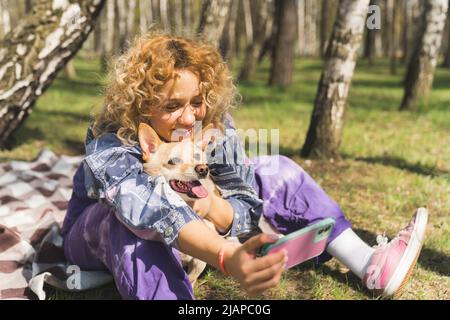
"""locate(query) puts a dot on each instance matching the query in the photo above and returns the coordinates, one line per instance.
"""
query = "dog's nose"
(202, 170)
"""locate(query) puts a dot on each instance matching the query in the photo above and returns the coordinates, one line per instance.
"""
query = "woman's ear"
(148, 140)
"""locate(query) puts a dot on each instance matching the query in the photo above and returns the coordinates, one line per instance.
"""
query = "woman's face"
(181, 106)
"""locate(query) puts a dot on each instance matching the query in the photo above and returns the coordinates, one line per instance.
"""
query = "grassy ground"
(392, 163)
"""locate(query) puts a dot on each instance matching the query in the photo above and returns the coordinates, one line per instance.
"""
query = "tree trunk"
(405, 27)
(420, 74)
(177, 7)
(187, 18)
(33, 53)
(370, 45)
(301, 27)
(312, 46)
(284, 52)
(108, 38)
(28, 6)
(98, 34)
(446, 63)
(145, 15)
(5, 18)
(227, 46)
(120, 25)
(325, 14)
(327, 121)
(131, 14)
(213, 18)
(163, 13)
(262, 29)
(248, 21)
(394, 35)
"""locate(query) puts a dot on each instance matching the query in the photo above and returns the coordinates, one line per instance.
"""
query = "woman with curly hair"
(120, 218)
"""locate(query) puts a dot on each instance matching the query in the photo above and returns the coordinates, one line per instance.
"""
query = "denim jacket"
(112, 173)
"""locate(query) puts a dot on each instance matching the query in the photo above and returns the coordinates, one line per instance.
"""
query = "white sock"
(352, 251)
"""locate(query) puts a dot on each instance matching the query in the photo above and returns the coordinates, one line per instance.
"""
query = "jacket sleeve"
(233, 174)
(145, 204)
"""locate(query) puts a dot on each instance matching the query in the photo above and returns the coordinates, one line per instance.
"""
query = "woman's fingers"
(254, 243)
(271, 282)
(266, 274)
(268, 261)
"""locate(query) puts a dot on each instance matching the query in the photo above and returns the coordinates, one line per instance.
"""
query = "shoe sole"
(407, 263)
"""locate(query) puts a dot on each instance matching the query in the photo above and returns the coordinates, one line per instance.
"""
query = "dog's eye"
(197, 156)
(174, 161)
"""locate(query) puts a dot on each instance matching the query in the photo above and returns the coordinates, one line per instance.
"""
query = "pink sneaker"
(392, 263)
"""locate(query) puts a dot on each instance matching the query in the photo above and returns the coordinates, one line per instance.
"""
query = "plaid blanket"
(33, 201)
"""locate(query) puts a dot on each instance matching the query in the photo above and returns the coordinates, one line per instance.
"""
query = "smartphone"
(302, 244)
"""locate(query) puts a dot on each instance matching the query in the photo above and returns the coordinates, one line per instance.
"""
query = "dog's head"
(183, 164)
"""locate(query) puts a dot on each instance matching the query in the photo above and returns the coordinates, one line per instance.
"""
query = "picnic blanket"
(33, 201)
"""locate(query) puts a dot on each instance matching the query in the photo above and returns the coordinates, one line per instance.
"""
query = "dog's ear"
(210, 134)
(148, 140)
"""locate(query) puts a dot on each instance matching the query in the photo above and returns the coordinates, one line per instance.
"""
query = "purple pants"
(144, 269)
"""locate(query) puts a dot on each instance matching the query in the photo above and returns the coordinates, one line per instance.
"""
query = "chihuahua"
(183, 165)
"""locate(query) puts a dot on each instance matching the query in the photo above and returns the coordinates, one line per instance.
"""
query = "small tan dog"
(183, 166)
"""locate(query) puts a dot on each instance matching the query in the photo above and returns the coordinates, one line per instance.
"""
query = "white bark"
(110, 19)
(177, 7)
(131, 14)
(121, 22)
(29, 61)
(145, 15)
(5, 18)
(420, 75)
(212, 22)
(163, 15)
(327, 120)
(187, 18)
(248, 21)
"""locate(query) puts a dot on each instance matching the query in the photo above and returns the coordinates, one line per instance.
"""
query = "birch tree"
(446, 63)
(263, 23)
(284, 51)
(187, 18)
(145, 15)
(213, 18)
(34, 51)
(5, 18)
(227, 44)
(420, 73)
(327, 121)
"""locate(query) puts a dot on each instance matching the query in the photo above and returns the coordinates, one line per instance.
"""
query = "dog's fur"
(183, 161)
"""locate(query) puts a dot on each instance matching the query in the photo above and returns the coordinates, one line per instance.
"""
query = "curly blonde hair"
(134, 84)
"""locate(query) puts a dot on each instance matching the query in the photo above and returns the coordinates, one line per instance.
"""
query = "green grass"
(392, 163)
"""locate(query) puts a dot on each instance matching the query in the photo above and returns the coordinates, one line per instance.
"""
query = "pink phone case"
(303, 244)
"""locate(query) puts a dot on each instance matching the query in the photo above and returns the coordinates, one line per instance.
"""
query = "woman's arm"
(145, 204)
(254, 274)
(215, 209)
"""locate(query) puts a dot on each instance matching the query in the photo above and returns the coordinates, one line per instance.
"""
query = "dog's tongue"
(193, 189)
(199, 190)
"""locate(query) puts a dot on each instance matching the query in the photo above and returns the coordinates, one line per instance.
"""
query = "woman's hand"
(255, 274)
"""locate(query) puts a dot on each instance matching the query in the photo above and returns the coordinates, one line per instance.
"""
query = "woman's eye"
(175, 161)
(197, 104)
(172, 107)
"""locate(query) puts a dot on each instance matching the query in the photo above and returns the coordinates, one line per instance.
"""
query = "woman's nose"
(187, 118)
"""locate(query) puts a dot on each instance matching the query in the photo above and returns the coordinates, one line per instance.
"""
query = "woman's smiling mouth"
(182, 133)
